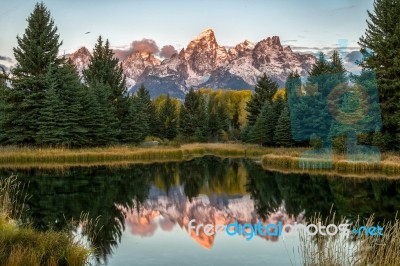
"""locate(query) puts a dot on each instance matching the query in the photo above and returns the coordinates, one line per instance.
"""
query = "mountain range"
(205, 63)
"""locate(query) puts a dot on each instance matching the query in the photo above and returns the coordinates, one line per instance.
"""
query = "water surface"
(143, 210)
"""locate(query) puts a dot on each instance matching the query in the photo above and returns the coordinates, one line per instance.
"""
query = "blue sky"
(308, 23)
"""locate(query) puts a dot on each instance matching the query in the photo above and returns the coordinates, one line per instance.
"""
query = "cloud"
(344, 8)
(167, 51)
(5, 58)
(290, 41)
(144, 45)
(122, 54)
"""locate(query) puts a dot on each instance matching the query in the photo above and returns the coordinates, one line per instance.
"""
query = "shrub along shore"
(275, 159)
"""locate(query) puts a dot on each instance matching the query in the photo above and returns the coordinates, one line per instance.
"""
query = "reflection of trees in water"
(317, 194)
(57, 198)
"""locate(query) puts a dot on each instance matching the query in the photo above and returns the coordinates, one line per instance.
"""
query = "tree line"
(45, 102)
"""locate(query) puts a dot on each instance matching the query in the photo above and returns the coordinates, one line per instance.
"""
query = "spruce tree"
(105, 69)
(69, 92)
(264, 90)
(37, 51)
(214, 125)
(99, 119)
(223, 119)
(380, 46)
(193, 118)
(52, 117)
(152, 124)
(259, 132)
(140, 122)
(278, 106)
(3, 95)
(92, 117)
(168, 119)
(235, 118)
(299, 110)
(283, 135)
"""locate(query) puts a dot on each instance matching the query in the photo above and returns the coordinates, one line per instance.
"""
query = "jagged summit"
(206, 33)
(80, 58)
(205, 63)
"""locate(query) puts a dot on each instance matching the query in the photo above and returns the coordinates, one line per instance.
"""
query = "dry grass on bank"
(388, 166)
(354, 250)
(277, 159)
(12, 155)
(22, 245)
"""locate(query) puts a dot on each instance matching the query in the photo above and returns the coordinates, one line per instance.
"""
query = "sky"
(306, 25)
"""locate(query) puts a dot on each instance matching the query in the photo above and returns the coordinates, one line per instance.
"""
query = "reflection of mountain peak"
(175, 208)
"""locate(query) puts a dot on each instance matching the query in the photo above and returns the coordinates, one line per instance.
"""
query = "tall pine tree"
(37, 51)
(260, 131)
(168, 118)
(105, 69)
(380, 46)
(193, 119)
(264, 90)
(63, 98)
(283, 135)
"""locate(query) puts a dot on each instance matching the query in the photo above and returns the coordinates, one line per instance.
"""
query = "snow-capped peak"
(205, 63)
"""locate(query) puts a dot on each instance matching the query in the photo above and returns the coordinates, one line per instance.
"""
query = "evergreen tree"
(337, 64)
(278, 106)
(51, 119)
(235, 118)
(283, 135)
(223, 119)
(3, 95)
(299, 109)
(380, 46)
(264, 90)
(100, 120)
(65, 93)
(105, 69)
(135, 128)
(168, 119)
(152, 124)
(193, 120)
(321, 66)
(312, 107)
(37, 51)
(260, 131)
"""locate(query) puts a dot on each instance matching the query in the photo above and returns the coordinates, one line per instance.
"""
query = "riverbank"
(14, 157)
(287, 160)
(20, 244)
(388, 167)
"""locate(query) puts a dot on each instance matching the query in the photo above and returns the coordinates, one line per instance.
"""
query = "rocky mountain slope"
(205, 63)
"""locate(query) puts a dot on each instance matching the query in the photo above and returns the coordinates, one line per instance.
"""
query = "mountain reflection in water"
(164, 196)
(166, 210)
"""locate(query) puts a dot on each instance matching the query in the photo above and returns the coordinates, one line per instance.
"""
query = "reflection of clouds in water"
(166, 211)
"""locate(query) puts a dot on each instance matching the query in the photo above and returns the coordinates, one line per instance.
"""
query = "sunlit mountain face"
(206, 63)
